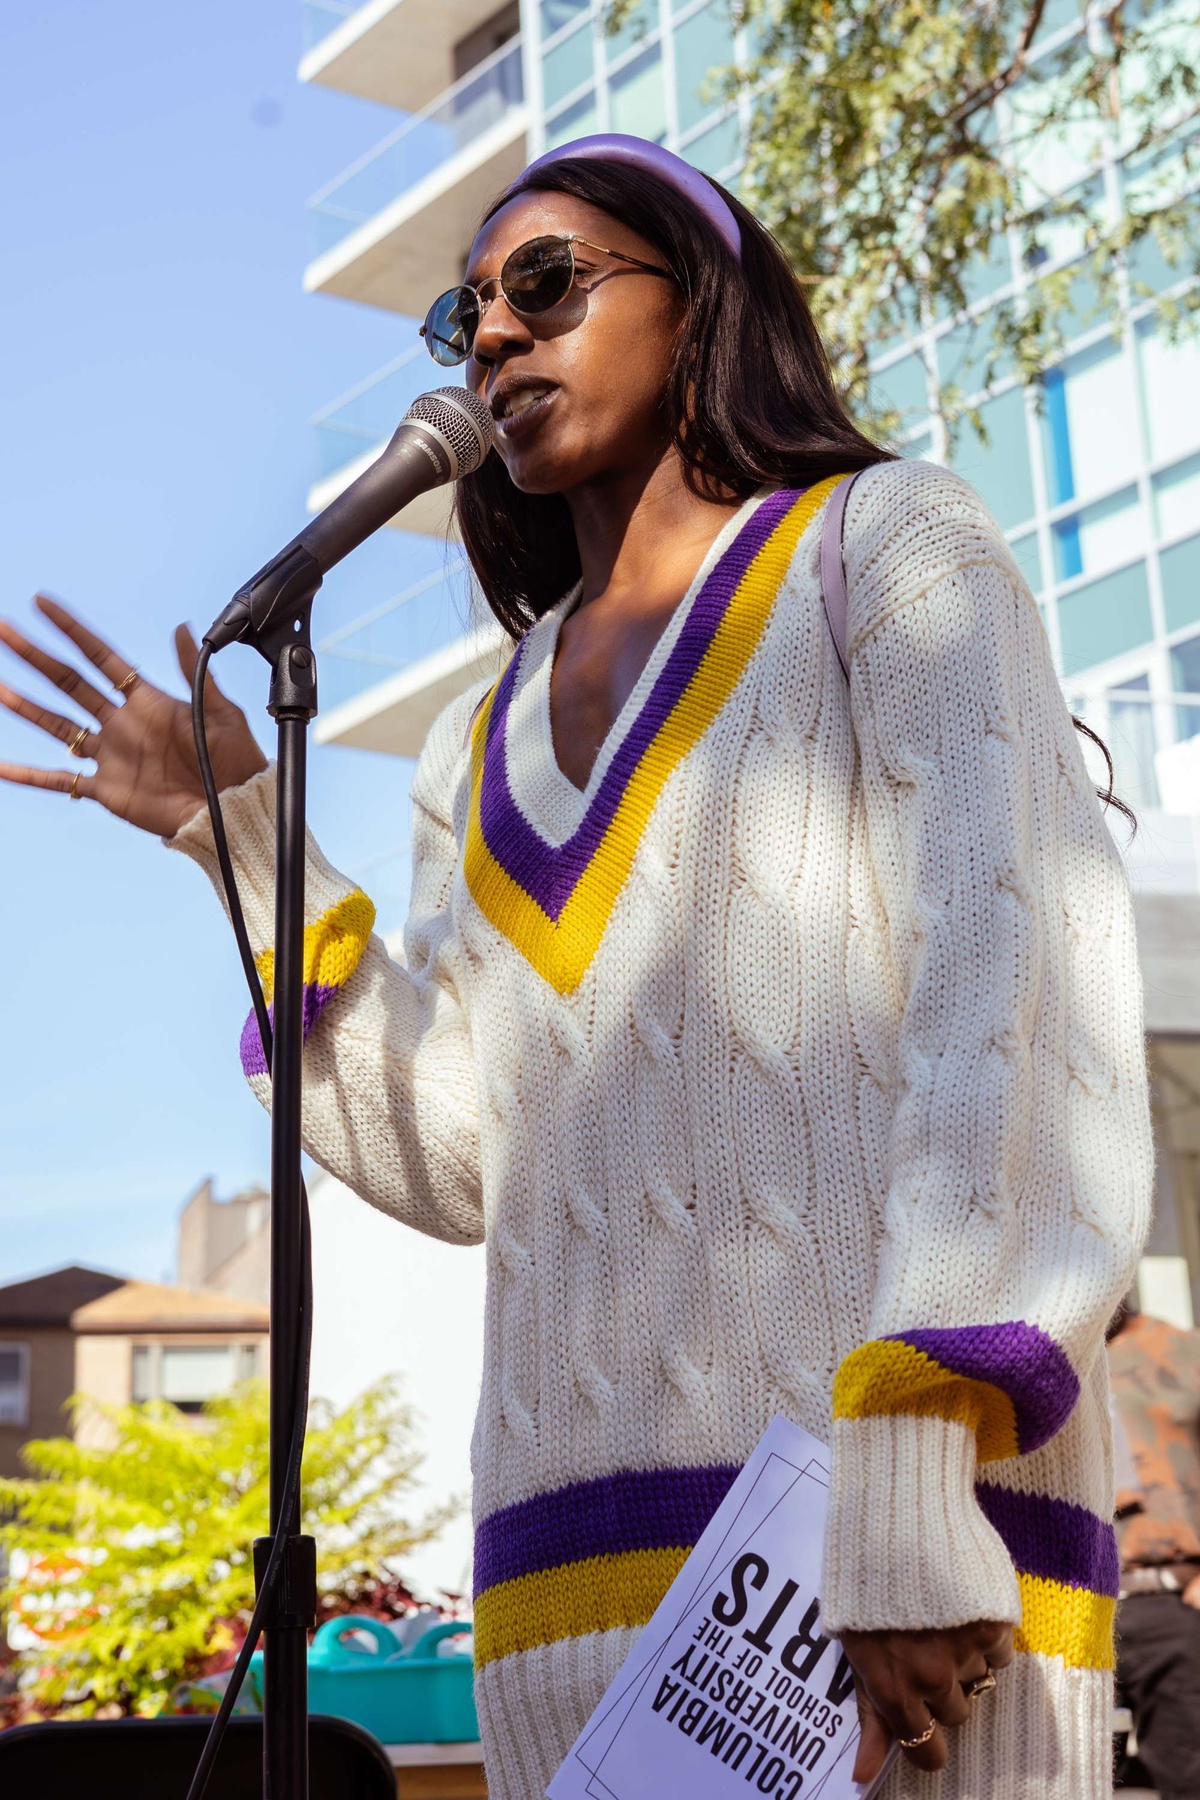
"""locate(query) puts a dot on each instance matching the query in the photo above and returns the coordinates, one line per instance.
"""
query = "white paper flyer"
(731, 1689)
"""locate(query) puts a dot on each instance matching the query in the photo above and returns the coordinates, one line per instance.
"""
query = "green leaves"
(896, 145)
(133, 1564)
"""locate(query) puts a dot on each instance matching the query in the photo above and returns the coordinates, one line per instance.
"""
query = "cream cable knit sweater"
(796, 1066)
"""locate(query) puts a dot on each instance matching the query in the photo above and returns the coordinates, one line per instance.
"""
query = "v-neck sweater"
(794, 1066)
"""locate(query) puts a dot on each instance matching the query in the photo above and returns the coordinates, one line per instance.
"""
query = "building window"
(998, 463)
(636, 97)
(1132, 743)
(1105, 618)
(189, 1374)
(1082, 460)
(1185, 679)
(703, 47)
(14, 1384)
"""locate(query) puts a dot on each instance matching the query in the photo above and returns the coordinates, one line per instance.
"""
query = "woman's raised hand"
(139, 737)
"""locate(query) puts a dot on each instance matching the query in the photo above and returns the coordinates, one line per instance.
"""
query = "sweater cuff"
(249, 815)
(907, 1547)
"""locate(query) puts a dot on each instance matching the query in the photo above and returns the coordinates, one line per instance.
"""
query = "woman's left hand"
(910, 1681)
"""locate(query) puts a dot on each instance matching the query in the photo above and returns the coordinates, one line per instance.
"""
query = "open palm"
(141, 742)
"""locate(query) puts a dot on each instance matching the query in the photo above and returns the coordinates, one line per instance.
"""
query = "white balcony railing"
(365, 416)
(400, 631)
(424, 142)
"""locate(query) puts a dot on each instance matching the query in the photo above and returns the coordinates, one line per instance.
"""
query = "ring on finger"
(76, 745)
(124, 685)
(914, 1743)
(983, 1684)
(73, 792)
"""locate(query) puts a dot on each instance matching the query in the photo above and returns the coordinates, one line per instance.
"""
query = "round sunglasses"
(534, 277)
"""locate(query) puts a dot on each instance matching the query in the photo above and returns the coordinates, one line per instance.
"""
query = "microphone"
(444, 435)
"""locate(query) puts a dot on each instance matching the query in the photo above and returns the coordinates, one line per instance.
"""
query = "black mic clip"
(268, 603)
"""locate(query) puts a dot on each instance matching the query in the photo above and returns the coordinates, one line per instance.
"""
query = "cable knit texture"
(794, 1066)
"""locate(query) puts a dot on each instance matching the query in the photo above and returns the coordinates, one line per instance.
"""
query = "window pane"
(1185, 679)
(143, 1373)
(578, 121)
(636, 98)
(195, 1373)
(1089, 423)
(567, 66)
(716, 149)
(1177, 498)
(964, 354)
(903, 385)
(557, 13)
(1105, 618)
(1029, 556)
(14, 1384)
(1132, 743)
(1000, 468)
(1099, 536)
(1180, 566)
(1171, 384)
(637, 27)
(703, 43)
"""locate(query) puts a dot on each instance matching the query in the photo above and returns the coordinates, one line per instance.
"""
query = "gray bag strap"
(833, 569)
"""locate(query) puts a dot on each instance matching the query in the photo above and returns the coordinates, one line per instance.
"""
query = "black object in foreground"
(153, 1759)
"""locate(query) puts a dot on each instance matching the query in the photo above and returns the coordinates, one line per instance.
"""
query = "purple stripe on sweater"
(638, 1509)
(1019, 1359)
(1054, 1539)
(316, 999)
(549, 873)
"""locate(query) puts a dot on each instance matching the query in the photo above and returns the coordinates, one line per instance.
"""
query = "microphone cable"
(291, 1485)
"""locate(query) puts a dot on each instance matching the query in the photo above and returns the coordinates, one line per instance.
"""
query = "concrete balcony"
(393, 230)
(397, 52)
(394, 715)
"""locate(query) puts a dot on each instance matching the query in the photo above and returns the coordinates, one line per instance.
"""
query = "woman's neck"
(642, 534)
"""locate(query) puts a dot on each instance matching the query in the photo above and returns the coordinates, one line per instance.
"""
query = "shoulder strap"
(833, 568)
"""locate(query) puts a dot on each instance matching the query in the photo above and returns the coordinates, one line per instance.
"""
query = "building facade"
(1096, 481)
(110, 1341)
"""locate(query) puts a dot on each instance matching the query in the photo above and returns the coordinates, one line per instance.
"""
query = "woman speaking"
(776, 1028)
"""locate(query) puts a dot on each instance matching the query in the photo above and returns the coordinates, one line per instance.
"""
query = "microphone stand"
(272, 613)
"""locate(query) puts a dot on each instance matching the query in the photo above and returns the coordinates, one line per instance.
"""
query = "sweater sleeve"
(389, 1086)
(1018, 1160)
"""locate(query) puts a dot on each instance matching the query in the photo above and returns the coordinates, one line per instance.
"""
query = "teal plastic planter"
(400, 1696)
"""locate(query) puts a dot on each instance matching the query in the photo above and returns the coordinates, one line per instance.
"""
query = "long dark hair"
(750, 398)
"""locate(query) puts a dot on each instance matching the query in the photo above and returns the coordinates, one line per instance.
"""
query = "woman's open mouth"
(517, 409)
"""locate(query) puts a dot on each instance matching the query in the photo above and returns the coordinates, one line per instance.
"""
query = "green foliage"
(895, 143)
(140, 1555)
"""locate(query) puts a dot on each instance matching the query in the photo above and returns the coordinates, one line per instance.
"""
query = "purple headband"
(615, 146)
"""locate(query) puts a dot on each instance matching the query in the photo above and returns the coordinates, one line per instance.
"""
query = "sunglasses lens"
(538, 275)
(450, 326)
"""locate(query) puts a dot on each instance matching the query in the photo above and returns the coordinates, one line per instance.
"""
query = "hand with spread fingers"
(139, 737)
(914, 1686)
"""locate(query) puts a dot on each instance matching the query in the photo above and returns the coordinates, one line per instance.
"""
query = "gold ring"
(915, 1743)
(982, 1684)
(123, 687)
(77, 742)
(73, 791)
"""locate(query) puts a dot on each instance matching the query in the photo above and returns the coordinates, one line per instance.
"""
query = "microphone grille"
(462, 420)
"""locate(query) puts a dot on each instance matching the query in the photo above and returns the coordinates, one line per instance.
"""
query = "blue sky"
(159, 367)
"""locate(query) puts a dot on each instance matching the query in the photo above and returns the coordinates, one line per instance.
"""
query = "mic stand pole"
(286, 644)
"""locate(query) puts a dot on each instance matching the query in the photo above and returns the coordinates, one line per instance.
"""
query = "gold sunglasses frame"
(570, 239)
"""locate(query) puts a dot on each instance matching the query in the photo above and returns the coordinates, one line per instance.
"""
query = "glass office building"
(1095, 478)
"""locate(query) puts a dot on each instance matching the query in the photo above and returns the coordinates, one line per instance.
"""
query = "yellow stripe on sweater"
(333, 946)
(561, 950)
(887, 1376)
(1071, 1622)
(598, 1594)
